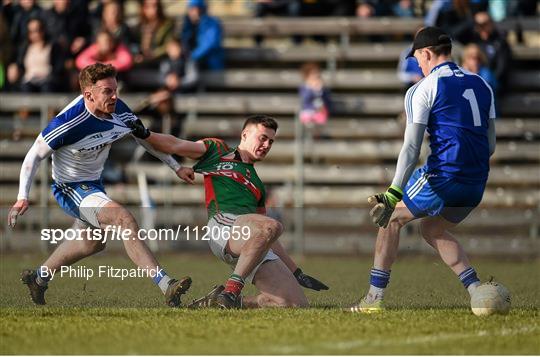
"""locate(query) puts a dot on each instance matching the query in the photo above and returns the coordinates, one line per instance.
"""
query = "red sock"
(234, 284)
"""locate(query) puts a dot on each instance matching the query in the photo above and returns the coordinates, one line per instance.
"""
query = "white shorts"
(222, 222)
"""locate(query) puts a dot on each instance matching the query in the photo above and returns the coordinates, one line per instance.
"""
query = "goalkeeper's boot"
(226, 300)
(37, 292)
(175, 290)
(367, 307)
(209, 300)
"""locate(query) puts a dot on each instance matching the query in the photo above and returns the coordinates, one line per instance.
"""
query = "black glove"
(308, 282)
(138, 129)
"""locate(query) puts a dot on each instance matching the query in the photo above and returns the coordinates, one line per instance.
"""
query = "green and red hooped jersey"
(231, 186)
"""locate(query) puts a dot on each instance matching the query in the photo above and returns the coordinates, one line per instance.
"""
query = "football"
(490, 298)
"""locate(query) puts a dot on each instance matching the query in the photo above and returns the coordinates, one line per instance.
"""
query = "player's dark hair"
(265, 120)
(95, 72)
(441, 50)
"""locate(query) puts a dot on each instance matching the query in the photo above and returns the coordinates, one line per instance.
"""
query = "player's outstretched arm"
(39, 151)
(167, 144)
(173, 145)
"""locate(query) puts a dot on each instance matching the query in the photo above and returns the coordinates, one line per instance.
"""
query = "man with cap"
(202, 36)
(457, 109)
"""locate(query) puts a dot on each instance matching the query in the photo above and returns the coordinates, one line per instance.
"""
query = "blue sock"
(468, 277)
(379, 278)
(160, 275)
(43, 275)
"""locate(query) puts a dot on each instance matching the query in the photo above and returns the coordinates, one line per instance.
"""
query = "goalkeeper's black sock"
(234, 284)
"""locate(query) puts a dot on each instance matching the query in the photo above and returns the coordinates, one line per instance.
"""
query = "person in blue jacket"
(202, 35)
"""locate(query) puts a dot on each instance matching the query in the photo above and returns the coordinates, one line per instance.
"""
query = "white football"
(490, 298)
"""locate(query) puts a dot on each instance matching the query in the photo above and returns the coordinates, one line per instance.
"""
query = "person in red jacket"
(106, 50)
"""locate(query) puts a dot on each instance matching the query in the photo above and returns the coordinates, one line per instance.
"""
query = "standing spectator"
(315, 102)
(179, 74)
(475, 61)
(106, 50)
(494, 45)
(112, 20)
(152, 33)
(202, 36)
(40, 63)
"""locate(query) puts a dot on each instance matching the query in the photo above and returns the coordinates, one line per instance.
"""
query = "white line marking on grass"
(396, 342)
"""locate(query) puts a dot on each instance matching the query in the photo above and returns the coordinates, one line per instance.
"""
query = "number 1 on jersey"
(469, 95)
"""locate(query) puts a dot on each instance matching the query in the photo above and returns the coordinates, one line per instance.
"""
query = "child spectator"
(106, 50)
(475, 61)
(178, 73)
(315, 99)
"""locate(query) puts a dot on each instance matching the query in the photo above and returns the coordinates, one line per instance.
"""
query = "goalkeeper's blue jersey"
(456, 106)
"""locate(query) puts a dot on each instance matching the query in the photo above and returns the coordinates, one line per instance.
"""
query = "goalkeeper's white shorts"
(219, 231)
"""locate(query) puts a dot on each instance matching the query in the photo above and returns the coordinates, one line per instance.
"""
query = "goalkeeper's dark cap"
(429, 37)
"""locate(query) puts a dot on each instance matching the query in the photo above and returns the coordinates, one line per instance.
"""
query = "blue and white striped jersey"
(81, 141)
(456, 107)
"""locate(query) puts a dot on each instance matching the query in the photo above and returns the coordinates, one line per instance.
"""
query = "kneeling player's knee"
(291, 301)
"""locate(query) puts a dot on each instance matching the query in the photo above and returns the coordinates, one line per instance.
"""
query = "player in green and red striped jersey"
(240, 232)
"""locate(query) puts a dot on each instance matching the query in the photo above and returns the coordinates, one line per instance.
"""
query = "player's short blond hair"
(95, 72)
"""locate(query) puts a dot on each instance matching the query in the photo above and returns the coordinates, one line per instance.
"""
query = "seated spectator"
(409, 72)
(455, 17)
(40, 63)
(106, 50)
(403, 8)
(178, 73)
(202, 37)
(475, 61)
(67, 27)
(494, 45)
(315, 102)
(112, 20)
(152, 33)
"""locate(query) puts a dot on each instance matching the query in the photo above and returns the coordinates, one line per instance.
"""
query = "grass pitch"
(428, 314)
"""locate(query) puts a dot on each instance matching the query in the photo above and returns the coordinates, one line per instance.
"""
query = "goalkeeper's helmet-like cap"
(430, 37)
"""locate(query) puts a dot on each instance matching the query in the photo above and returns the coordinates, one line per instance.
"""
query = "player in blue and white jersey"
(457, 109)
(79, 140)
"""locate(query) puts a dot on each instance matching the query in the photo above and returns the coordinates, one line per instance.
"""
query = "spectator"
(264, 8)
(494, 45)
(66, 27)
(40, 63)
(409, 72)
(22, 13)
(403, 8)
(106, 50)
(112, 20)
(5, 49)
(178, 73)
(152, 33)
(455, 17)
(475, 61)
(315, 102)
(202, 36)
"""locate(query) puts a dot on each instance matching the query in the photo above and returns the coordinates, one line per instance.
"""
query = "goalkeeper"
(456, 107)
